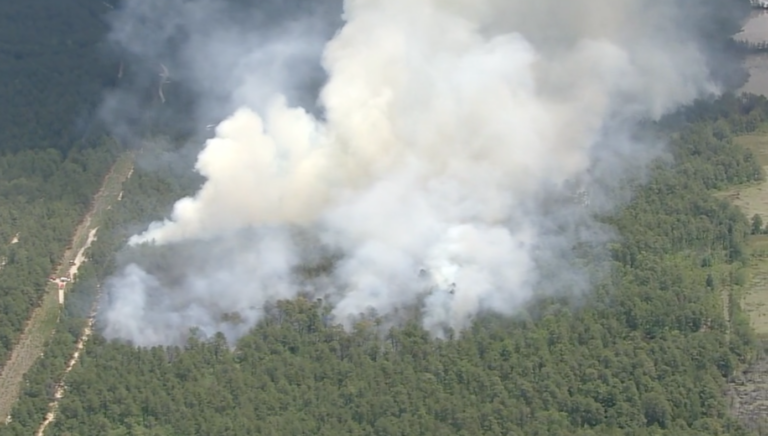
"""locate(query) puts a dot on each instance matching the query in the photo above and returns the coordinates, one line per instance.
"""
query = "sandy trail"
(3, 260)
(62, 387)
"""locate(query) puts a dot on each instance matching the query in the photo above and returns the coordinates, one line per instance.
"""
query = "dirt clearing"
(4, 260)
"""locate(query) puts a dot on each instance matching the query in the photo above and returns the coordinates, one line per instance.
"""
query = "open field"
(44, 319)
(749, 389)
(753, 199)
(755, 301)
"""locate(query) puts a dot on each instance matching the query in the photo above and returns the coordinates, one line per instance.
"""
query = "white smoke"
(455, 132)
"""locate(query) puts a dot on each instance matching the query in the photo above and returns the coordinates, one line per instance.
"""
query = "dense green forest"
(647, 353)
(43, 195)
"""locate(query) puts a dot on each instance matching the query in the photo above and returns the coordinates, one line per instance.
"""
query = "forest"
(648, 352)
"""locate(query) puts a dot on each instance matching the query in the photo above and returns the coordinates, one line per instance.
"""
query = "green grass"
(44, 319)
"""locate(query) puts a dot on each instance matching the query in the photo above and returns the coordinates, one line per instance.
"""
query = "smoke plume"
(463, 151)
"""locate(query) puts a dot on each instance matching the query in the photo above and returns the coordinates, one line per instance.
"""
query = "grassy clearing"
(753, 199)
(44, 319)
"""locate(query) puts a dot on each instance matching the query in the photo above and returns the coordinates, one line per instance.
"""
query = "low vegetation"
(752, 199)
(749, 387)
(43, 196)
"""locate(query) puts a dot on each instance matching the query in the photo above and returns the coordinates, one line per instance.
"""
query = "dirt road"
(748, 388)
(61, 387)
(3, 260)
(42, 322)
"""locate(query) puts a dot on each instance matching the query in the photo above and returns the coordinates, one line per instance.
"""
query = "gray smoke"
(456, 136)
(217, 55)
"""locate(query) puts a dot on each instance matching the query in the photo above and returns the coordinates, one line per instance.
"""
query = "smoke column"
(442, 175)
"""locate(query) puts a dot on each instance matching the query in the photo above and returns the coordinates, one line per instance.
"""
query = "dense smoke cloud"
(443, 175)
